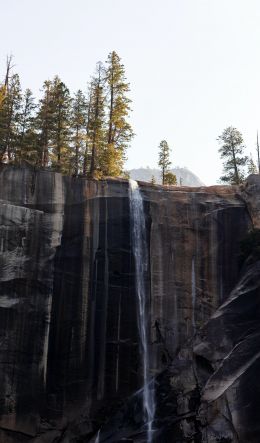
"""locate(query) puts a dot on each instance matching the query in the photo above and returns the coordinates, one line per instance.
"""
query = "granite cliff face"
(70, 364)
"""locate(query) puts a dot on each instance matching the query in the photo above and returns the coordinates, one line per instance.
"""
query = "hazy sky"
(193, 66)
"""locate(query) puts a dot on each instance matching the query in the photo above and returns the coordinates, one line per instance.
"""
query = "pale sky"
(193, 66)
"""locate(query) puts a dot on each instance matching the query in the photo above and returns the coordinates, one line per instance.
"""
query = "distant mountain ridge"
(184, 176)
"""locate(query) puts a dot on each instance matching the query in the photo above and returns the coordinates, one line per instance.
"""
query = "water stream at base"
(140, 252)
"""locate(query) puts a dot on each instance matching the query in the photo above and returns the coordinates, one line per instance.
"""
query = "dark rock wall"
(67, 303)
(69, 352)
(194, 249)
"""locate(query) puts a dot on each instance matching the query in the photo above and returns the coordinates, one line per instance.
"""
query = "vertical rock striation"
(68, 318)
(69, 355)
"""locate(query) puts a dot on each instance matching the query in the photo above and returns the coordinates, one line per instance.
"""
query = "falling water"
(193, 293)
(141, 266)
(97, 437)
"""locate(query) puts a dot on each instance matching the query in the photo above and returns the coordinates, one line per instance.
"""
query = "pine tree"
(119, 130)
(153, 181)
(164, 159)
(96, 124)
(53, 125)
(87, 153)
(60, 126)
(9, 118)
(4, 85)
(231, 150)
(44, 123)
(252, 168)
(3, 121)
(78, 128)
(27, 138)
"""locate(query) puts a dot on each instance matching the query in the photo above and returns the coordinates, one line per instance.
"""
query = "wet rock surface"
(69, 355)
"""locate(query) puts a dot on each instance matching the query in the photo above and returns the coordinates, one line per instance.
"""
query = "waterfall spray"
(140, 252)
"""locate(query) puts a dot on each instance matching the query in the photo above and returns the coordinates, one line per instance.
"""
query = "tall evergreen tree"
(96, 132)
(53, 125)
(60, 129)
(4, 85)
(87, 152)
(44, 123)
(232, 150)
(164, 159)
(78, 128)
(27, 139)
(119, 130)
(9, 118)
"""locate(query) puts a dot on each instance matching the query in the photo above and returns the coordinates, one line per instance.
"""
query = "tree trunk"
(59, 142)
(111, 110)
(258, 155)
(94, 153)
(23, 131)
(76, 170)
(87, 135)
(235, 164)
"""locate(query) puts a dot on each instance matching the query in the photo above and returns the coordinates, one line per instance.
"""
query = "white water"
(141, 266)
(97, 437)
(193, 293)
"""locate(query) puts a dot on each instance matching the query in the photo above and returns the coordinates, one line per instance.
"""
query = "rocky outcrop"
(183, 175)
(69, 355)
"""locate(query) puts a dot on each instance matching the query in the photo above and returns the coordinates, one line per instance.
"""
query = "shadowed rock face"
(69, 354)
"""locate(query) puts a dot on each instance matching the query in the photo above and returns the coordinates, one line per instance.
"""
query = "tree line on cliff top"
(80, 134)
(88, 133)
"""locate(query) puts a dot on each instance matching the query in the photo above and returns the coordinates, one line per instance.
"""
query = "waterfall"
(97, 437)
(140, 252)
(193, 293)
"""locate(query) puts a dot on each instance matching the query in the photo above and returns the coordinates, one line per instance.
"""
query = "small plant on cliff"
(231, 151)
(250, 247)
(170, 179)
(251, 167)
(153, 181)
